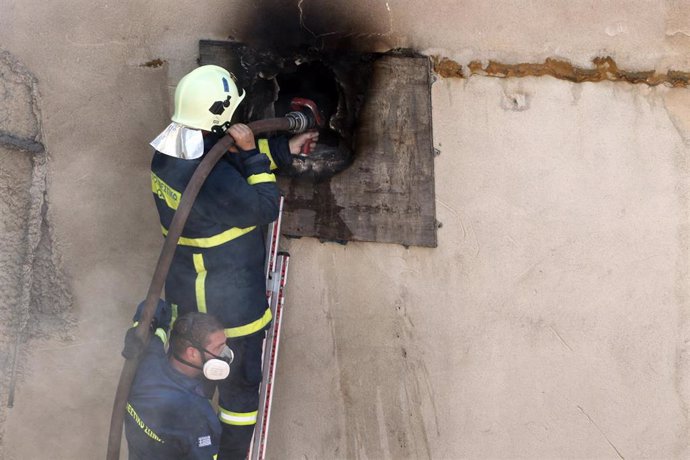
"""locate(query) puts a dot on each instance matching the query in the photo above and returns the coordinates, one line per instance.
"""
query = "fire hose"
(294, 122)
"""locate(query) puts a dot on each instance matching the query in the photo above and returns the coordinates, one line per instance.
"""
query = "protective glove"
(161, 318)
(134, 347)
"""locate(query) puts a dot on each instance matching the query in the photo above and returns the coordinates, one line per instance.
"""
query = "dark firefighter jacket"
(168, 415)
(218, 266)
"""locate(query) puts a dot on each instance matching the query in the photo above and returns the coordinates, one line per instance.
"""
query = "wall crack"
(602, 432)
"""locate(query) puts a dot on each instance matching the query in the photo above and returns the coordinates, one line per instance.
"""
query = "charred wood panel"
(387, 194)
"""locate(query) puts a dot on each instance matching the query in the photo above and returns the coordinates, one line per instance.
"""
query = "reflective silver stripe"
(237, 418)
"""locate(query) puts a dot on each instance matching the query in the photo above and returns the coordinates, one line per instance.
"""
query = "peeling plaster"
(154, 63)
(34, 298)
(447, 68)
(605, 69)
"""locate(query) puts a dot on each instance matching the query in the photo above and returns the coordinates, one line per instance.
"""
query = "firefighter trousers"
(238, 396)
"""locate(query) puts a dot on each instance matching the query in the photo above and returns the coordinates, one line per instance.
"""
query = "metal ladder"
(276, 277)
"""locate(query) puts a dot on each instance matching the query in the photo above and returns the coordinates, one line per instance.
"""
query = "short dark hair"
(193, 330)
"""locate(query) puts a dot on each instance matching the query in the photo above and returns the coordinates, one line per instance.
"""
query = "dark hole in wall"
(334, 151)
(336, 81)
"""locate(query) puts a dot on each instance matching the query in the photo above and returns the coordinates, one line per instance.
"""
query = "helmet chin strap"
(220, 129)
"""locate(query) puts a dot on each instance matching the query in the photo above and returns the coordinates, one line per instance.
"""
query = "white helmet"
(206, 98)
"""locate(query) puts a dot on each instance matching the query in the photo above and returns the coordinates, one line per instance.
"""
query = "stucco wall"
(551, 321)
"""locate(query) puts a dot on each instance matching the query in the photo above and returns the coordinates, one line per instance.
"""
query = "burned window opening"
(382, 114)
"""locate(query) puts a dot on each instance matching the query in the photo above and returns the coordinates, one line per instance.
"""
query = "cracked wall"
(550, 322)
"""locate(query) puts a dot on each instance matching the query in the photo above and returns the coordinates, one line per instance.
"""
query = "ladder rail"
(276, 279)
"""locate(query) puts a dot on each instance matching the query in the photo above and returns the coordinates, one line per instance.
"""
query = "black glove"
(134, 347)
(161, 318)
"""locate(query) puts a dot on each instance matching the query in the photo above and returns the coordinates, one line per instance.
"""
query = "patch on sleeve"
(205, 441)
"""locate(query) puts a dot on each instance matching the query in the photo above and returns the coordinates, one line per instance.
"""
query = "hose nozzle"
(304, 116)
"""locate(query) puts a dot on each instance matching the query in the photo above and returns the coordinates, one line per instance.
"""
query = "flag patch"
(204, 441)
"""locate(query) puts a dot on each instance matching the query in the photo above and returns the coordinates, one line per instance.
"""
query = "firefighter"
(169, 415)
(218, 265)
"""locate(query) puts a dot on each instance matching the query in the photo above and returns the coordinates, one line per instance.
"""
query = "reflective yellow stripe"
(200, 282)
(159, 332)
(149, 432)
(266, 150)
(250, 328)
(212, 241)
(162, 335)
(165, 192)
(237, 418)
(261, 178)
(174, 315)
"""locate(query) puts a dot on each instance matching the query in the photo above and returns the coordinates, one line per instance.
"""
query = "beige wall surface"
(552, 321)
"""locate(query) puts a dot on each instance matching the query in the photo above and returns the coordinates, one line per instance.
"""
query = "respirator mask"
(216, 368)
